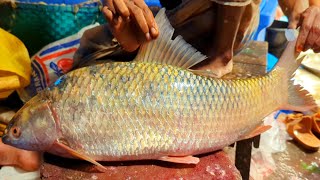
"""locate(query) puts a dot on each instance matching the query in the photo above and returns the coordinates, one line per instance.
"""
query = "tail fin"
(299, 99)
(288, 60)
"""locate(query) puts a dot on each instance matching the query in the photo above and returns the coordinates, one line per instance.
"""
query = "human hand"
(131, 22)
(294, 9)
(309, 36)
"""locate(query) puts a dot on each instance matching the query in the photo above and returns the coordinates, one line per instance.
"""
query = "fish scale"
(133, 113)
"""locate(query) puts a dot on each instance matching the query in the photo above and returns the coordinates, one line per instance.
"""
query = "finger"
(111, 6)
(111, 18)
(120, 23)
(294, 20)
(121, 8)
(308, 18)
(149, 18)
(316, 46)
(300, 21)
(299, 6)
(108, 14)
(313, 34)
(139, 18)
(293, 24)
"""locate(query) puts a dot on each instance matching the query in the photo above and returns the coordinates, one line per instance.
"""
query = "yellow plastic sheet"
(15, 64)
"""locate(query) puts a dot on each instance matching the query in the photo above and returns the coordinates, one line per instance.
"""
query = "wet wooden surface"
(211, 166)
(252, 59)
(290, 163)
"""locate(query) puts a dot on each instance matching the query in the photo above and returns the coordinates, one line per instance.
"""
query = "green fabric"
(38, 24)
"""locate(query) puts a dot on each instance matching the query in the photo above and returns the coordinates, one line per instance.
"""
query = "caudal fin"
(289, 60)
(299, 99)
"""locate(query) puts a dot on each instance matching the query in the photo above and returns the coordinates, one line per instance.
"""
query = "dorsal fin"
(164, 50)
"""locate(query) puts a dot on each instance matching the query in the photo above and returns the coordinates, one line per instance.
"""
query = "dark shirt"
(170, 4)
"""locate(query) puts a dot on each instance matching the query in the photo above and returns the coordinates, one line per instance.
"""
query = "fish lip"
(5, 139)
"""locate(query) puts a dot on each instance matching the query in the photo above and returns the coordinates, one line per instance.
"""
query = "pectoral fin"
(259, 130)
(182, 159)
(79, 155)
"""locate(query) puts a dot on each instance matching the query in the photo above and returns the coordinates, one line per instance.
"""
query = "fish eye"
(16, 132)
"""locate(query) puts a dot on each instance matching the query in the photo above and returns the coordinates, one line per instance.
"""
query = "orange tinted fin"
(80, 156)
(259, 130)
(180, 159)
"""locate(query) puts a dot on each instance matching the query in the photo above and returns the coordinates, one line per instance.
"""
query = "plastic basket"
(38, 24)
(71, 2)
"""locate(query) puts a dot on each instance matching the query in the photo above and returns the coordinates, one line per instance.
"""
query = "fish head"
(33, 127)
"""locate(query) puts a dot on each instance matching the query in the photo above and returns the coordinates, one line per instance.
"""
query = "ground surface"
(289, 164)
(211, 166)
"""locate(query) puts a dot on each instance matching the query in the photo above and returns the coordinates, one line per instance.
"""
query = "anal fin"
(181, 159)
(79, 155)
(259, 130)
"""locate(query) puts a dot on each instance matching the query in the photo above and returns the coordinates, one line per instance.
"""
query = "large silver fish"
(151, 108)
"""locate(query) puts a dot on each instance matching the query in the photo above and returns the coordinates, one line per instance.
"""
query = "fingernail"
(148, 37)
(128, 19)
(299, 48)
(153, 31)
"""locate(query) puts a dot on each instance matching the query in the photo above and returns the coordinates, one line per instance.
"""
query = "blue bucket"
(267, 12)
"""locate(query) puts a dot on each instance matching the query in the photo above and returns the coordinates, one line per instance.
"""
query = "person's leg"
(213, 29)
(10, 156)
(227, 21)
(26, 160)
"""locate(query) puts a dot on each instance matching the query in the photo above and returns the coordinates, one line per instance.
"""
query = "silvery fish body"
(121, 111)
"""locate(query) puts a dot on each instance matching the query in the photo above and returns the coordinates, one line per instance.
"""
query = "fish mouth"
(5, 138)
